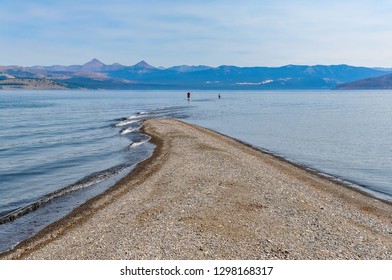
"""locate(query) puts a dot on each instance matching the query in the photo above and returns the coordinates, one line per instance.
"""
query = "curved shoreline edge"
(360, 203)
(84, 211)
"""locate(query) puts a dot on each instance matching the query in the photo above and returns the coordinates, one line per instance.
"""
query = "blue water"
(346, 134)
(61, 148)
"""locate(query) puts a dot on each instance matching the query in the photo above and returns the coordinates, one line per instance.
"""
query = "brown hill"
(383, 82)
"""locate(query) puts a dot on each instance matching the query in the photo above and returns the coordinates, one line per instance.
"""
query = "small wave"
(173, 111)
(87, 181)
(119, 119)
(138, 143)
(129, 130)
(142, 115)
(126, 122)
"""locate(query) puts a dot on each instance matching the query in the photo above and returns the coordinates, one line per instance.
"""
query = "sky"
(189, 32)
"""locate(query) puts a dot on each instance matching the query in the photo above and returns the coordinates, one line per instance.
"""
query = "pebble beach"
(202, 195)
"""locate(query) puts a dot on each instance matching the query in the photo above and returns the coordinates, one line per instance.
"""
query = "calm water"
(58, 149)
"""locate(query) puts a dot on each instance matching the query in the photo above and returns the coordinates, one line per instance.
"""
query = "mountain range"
(97, 75)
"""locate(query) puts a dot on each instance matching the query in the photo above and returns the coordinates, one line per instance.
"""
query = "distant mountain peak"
(93, 65)
(94, 62)
(143, 65)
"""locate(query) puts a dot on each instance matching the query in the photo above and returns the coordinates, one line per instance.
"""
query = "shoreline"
(323, 175)
(255, 211)
(79, 214)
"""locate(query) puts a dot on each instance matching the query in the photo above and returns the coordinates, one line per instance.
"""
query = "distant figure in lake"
(219, 95)
(188, 95)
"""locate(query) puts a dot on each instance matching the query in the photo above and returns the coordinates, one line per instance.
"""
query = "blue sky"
(167, 33)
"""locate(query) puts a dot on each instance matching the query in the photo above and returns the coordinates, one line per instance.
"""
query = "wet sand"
(206, 196)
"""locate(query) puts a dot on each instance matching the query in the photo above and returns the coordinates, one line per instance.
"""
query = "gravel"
(206, 196)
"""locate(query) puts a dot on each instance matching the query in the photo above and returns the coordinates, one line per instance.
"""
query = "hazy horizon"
(179, 65)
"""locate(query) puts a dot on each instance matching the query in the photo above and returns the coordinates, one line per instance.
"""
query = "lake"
(60, 148)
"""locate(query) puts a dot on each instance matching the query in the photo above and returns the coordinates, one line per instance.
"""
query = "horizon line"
(194, 65)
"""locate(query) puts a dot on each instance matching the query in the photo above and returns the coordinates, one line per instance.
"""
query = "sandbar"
(202, 195)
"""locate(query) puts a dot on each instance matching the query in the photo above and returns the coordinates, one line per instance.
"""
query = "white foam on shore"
(126, 122)
(135, 117)
(129, 130)
(135, 144)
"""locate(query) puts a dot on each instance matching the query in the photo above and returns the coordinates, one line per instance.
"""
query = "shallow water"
(60, 148)
(345, 134)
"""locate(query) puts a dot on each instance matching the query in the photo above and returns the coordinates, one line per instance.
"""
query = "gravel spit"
(206, 196)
